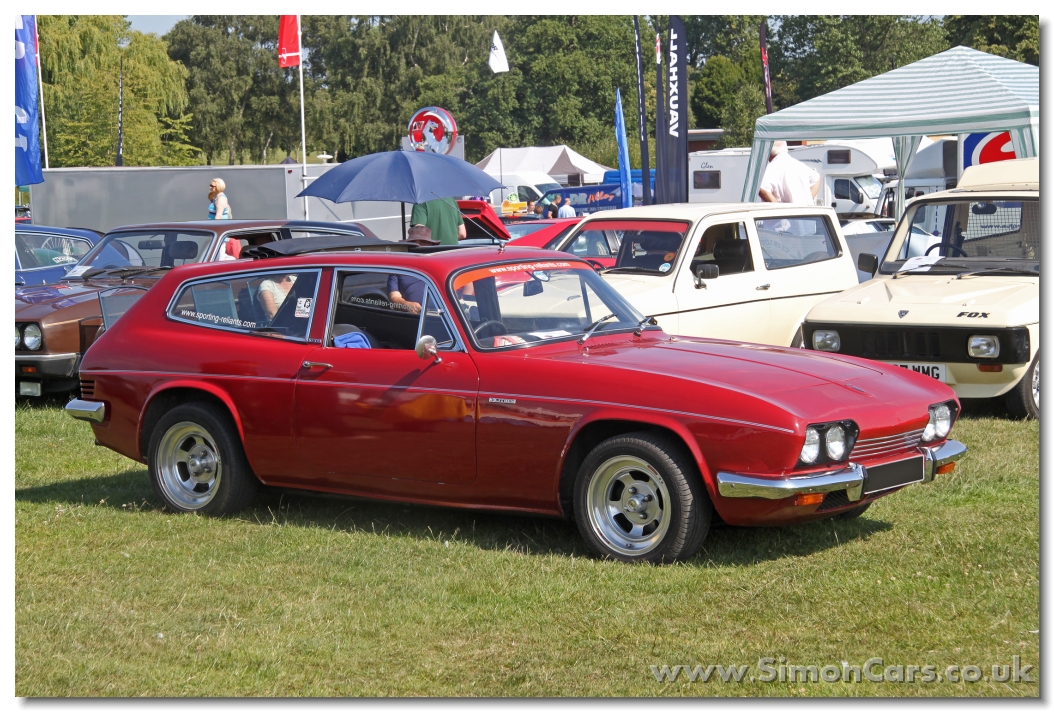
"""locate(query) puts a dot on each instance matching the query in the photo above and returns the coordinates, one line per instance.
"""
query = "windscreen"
(160, 248)
(522, 304)
(972, 229)
(644, 246)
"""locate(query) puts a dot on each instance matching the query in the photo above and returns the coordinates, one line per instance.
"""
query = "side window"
(787, 242)
(381, 310)
(594, 243)
(526, 193)
(706, 180)
(275, 303)
(725, 245)
(42, 250)
(841, 189)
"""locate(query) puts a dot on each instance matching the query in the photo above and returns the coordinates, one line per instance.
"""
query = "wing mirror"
(705, 271)
(867, 263)
(426, 348)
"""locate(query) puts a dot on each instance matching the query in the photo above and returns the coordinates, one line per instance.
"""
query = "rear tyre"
(197, 463)
(639, 499)
(1023, 399)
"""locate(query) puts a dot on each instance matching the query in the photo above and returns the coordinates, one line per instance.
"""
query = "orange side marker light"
(805, 499)
(945, 469)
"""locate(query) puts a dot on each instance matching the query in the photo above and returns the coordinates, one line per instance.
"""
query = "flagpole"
(303, 130)
(40, 83)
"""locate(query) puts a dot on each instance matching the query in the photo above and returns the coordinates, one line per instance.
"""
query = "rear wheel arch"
(171, 395)
(588, 435)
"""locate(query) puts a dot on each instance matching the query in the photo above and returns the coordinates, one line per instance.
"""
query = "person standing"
(219, 208)
(443, 219)
(788, 180)
(566, 210)
(553, 208)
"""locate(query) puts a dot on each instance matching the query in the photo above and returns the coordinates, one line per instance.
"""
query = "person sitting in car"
(274, 291)
(404, 290)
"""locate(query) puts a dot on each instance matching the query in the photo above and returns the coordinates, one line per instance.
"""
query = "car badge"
(903, 313)
(857, 388)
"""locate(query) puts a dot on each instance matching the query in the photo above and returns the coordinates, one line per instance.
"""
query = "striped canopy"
(958, 91)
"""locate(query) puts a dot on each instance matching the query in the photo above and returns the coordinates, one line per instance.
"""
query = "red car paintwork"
(500, 430)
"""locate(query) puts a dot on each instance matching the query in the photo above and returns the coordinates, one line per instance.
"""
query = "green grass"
(304, 595)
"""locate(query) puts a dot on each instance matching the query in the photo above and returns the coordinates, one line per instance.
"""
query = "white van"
(851, 176)
(521, 187)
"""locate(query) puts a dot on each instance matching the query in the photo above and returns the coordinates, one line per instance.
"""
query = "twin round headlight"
(29, 336)
(834, 440)
(942, 416)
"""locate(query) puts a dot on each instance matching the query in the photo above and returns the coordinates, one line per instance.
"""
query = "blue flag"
(623, 153)
(27, 130)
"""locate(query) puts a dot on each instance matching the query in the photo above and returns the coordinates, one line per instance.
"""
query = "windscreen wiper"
(628, 269)
(1012, 270)
(646, 321)
(594, 326)
(123, 272)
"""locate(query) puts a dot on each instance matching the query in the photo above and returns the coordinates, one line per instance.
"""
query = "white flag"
(498, 62)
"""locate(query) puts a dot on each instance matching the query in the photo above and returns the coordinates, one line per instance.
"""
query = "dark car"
(56, 323)
(45, 254)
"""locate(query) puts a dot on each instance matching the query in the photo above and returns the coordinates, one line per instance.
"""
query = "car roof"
(72, 231)
(437, 265)
(696, 211)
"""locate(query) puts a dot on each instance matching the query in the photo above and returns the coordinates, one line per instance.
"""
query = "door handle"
(318, 364)
(763, 286)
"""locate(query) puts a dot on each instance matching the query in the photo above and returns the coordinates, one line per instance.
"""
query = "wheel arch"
(587, 434)
(174, 393)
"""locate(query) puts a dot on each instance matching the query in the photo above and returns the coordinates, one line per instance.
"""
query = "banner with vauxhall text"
(677, 114)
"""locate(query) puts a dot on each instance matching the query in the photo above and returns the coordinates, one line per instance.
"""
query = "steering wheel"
(947, 244)
(488, 322)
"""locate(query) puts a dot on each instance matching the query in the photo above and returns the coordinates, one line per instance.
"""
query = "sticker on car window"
(303, 308)
(554, 334)
(77, 271)
(669, 256)
(664, 267)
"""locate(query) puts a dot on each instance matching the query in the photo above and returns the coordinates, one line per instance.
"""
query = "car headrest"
(730, 250)
(184, 250)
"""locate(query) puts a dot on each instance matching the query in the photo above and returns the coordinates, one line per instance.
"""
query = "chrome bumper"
(849, 479)
(92, 411)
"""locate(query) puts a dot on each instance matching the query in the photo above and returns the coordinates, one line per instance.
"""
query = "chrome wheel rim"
(1035, 386)
(629, 505)
(188, 465)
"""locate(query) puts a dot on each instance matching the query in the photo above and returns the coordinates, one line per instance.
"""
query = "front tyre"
(1023, 399)
(197, 463)
(638, 499)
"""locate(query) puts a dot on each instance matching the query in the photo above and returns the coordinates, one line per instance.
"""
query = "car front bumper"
(849, 479)
(40, 373)
(92, 411)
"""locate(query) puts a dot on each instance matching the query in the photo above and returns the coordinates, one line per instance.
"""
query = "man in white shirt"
(566, 211)
(788, 180)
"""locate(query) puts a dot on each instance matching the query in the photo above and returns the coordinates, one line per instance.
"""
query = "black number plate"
(894, 474)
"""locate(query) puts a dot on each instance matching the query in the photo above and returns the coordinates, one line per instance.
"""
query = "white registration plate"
(936, 371)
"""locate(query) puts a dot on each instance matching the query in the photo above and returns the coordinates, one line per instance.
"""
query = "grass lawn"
(306, 595)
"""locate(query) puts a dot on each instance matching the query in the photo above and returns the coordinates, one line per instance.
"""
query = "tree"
(730, 36)
(1013, 36)
(739, 116)
(82, 59)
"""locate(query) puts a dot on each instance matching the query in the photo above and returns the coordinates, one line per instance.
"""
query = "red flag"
(289, 41)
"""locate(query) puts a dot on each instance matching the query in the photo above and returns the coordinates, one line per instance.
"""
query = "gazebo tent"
(554, 160)
(958, 91)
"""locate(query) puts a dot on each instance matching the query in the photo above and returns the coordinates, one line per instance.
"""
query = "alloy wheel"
(629, 505)
(189, 465)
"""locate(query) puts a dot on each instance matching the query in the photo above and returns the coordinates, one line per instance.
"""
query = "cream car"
(961, 306)
(739, 271)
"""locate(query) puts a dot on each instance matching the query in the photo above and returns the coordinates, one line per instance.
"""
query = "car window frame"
(247, 274)
(431, 292)
(18, 262)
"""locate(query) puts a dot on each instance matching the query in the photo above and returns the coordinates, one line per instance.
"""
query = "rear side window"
(274, 303)
(706, 180)
(792, 241)
(42, 250)
(385, 310)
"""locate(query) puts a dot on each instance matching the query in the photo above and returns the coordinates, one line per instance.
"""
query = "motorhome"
(851, 176)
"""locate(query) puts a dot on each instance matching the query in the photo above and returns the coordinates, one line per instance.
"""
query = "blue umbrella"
(404, 176)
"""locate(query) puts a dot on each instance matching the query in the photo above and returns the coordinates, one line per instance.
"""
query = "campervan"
(851, 176)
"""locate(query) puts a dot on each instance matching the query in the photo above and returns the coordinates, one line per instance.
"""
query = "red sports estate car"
(489, 386)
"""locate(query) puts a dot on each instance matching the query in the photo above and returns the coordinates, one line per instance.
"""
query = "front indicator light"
(945, 469)
(983, 347)
(836, 442)
(806, 499)
(811, 450)
(990, 367)
(826, 341)
(32, 337)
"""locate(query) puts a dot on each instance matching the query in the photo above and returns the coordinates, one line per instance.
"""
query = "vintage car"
(492, 389)
(45, 254)
(55, 324)
(742, 271)
(961, 307)
(539, 232)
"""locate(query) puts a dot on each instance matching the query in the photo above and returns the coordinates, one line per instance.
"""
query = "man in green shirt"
(442, 217)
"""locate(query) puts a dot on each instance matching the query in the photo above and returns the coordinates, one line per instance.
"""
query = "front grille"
(87, 388)
(898, 343)
(877, 447)
(834, 500)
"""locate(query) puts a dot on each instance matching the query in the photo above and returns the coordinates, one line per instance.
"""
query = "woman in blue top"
(219, 208)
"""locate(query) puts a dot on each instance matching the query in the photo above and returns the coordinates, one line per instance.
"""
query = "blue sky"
(159, 24)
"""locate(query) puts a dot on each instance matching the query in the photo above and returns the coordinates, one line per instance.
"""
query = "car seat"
(341, 329)
(732, 256)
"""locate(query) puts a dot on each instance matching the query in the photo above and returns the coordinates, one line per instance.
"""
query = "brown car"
(56, 323)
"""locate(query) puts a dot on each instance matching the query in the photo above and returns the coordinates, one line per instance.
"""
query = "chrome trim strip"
(948, 451)
(43, 357)
(849, 478)
(92, 411)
